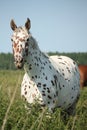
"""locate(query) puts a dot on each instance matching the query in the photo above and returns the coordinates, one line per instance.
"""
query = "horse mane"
(33, 42)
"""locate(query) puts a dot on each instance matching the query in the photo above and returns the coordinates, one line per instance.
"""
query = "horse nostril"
(21, 60)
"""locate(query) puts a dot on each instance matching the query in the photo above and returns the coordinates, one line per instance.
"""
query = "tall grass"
(14, 115)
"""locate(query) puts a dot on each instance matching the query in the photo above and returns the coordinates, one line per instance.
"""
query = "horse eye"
(11, 39)
(27, 39)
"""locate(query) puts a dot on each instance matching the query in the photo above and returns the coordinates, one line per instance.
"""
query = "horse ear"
(13, 25)
(28, 24)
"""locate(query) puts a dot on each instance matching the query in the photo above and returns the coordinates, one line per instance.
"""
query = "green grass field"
(14, 115)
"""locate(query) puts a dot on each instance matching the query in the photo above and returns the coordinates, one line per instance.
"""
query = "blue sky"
(57, 25)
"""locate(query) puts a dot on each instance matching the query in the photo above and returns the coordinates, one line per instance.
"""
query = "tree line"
(7, 59)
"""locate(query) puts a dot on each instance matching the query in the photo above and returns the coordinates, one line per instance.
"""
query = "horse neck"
(35, 60)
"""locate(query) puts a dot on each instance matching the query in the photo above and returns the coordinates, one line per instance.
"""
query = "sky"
(57, 25)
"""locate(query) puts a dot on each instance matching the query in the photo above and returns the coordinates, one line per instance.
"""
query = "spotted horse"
(52, 81)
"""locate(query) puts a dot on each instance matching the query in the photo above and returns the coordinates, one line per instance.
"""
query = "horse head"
(20, 42)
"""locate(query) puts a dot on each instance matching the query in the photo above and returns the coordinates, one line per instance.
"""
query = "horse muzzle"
(20, 64)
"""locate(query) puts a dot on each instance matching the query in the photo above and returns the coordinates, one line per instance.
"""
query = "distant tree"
(80, 57)
(7, 60)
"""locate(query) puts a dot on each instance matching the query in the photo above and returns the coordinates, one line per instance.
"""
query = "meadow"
(14, 115)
